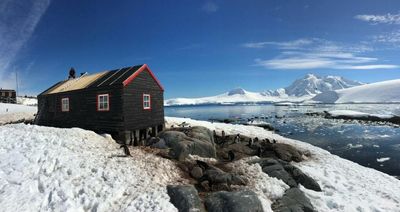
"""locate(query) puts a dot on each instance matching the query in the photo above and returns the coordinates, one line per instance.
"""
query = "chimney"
(71, 73)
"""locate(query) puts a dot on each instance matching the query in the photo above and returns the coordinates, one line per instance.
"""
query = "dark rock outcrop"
(287, 152)
(185, 198)
(302, 178)
(239, 201)
(293, 200)
(286, 172)
(181, 145)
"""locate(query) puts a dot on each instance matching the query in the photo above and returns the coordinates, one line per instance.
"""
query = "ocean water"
(375, 145)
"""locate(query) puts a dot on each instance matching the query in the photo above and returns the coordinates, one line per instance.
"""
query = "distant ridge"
(300, 90)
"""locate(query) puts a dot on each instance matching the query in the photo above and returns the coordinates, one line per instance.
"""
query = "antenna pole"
(16, 79)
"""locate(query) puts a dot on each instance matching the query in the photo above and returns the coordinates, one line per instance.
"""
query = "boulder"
(238, 201)
(181, 145)
(196, 172)
(185, 198)
(287, 152)
(216, 177)
(302, 178)
(293, 200)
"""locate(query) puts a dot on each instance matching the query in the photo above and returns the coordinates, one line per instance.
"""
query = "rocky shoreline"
(208, 160)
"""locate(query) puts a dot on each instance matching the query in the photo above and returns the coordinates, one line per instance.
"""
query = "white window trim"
(65, 107)
(99, 103)
(149, 102)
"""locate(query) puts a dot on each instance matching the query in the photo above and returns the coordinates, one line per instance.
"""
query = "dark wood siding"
(83, 110)
(135, 116)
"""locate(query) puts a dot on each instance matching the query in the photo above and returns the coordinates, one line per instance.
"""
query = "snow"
(379, 92)
(312, 84)
(346, 186)
(357, 114)
(381, 160)
(51, 169)
(234, 96)
(31, 101)
(15, 112)
(299, 91)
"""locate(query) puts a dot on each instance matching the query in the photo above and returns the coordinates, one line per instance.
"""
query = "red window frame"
(62, 109)
(147, 108)
(98, 102)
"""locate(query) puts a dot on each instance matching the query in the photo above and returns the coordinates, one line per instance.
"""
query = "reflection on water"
(363, 143)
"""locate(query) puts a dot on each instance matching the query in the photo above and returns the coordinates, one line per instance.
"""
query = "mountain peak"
(312, 84)
(235, 91)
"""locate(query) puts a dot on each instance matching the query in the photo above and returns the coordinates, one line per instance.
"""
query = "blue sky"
(200, 48)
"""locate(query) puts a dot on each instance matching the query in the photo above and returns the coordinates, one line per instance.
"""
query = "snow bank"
(235, 96)
(14, 112)
(51, 169)
(347, 186)
(357, 114)
(30, 101)
(379, 92)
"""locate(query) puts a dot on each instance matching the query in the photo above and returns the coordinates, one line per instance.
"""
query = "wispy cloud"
(18, 20)
(380, 19)
(296, 44)
(318, 53)
(210, 7)
(391, 38)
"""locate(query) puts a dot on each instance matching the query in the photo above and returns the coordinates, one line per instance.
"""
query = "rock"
(181, 145)
(293, 200)
(196, 172)
(216, 177)
(302, 178)
(185, 198)
(287, 152)
(160, 144)
(274, 168)
(238, 201)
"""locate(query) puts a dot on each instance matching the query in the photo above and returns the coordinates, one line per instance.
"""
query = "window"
(103, 102)
(146, 102)
(65, 104)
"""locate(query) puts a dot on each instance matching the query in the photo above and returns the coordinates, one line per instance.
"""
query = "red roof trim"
(140, 70)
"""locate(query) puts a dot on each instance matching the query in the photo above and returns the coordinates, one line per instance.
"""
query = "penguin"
(126, 150)
(231, 155)
(250, 144)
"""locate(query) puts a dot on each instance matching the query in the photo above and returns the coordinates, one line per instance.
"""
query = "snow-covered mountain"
(300, 90)
(238, 95)
(312, 84)
(379, 92)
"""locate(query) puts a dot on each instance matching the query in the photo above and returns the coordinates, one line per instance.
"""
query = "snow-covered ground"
(52, 169)
(347, 186)
(379, 92)
(15, 112)
(31, 101)
(357, 114)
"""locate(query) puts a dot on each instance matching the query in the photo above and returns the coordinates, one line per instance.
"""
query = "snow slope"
(238, 95)
(51, 169)
(346, 185)
(31, 101)
(312, 84)
(300, 90)
(14, 112)
(379, 92)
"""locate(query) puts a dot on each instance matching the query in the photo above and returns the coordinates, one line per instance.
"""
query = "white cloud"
(296, 44)
(18, 20)
(210, 7)
(380, 19)
(317, 53)
(391, 38)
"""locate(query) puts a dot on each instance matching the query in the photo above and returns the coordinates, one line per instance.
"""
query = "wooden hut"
(8, 96)
(127, 103)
